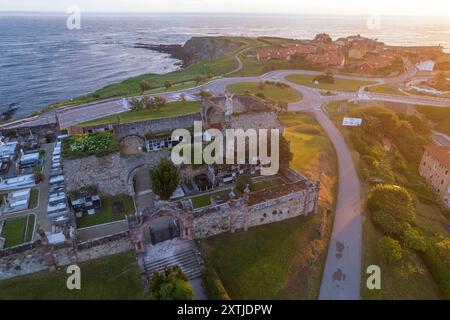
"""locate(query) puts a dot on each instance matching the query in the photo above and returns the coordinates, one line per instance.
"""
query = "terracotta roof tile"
(441, 154)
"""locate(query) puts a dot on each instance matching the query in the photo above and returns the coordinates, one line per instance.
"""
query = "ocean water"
(42, 62)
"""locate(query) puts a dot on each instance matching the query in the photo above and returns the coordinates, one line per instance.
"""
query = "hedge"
(213, 285)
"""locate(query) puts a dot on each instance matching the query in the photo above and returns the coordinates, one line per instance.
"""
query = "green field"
(205, 200)
(171, 109)
(34, 199)
(340, 84)
(257, 264)
(439, 116)
(270, 91)
(251, 67)
(306, 137)
(107, 213)
(109, 278)
(14, 230)
(386, 89)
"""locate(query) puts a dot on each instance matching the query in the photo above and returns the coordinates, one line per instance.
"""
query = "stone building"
(297, 197)
(435, 167)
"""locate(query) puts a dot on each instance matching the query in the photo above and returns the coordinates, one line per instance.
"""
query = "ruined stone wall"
(111, 174)
(235, 216)
(144, 128)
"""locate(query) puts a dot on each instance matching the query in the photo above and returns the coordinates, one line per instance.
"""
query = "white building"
(17, 201)
(427, 65)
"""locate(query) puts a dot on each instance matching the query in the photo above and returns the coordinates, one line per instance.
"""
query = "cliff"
(196, 49)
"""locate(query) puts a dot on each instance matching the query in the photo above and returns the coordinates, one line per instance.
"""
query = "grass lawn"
(14, 231)
(261, 185)
(306, 137)
(34, 199)
(114, 277)
(175, 87)
(386, 89)
(107, 213)
(393, 287)
(30, 228)
(340, 84)
(273, 261)
(205, 200)
(172, 109)
(440, 117)
(271, 91)
(253, 68)
(257, 264)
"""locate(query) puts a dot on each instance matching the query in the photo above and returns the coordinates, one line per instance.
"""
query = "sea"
(43, 62)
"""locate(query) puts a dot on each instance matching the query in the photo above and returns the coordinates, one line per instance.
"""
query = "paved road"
(341, 277)
(82, 113)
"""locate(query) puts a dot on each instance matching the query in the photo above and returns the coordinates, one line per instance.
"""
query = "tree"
(160, 102)
(283, 105)
(37, 175)
(414, 239)
(145, 85)
(204, 95)
(146, 101)
(136, 104)
(390, 249)
(261, 85)
(167, 85)
(183, 98)
(393, 200)
(199, 78)
(171, 285)
(242, 182)
(165, 179)
(285, 153)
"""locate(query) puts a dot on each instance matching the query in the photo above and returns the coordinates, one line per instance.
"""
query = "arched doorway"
(162, 225)
(163, 229)
(139, 183)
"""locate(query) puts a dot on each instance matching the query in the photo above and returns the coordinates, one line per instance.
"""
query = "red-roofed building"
(357, 50)
(375, 63)
(435, 169)
(284, 53)
(327, 58)
(267, 54)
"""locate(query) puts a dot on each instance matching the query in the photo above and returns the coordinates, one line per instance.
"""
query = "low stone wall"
(157, 126)
(19, 249)
(235, 215)
(29, 259)
(116, 244)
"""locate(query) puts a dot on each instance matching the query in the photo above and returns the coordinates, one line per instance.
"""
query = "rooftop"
(441, 154)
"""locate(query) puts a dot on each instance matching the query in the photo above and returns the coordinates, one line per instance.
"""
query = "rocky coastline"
(195, 49)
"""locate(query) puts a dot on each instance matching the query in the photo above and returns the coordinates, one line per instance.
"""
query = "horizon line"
(224, 13)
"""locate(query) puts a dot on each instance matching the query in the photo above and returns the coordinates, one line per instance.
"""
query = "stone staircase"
(189, 261)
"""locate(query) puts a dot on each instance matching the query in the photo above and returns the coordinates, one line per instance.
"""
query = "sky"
(340, 7)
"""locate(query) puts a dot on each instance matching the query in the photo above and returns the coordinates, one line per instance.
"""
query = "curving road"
(341, 278)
